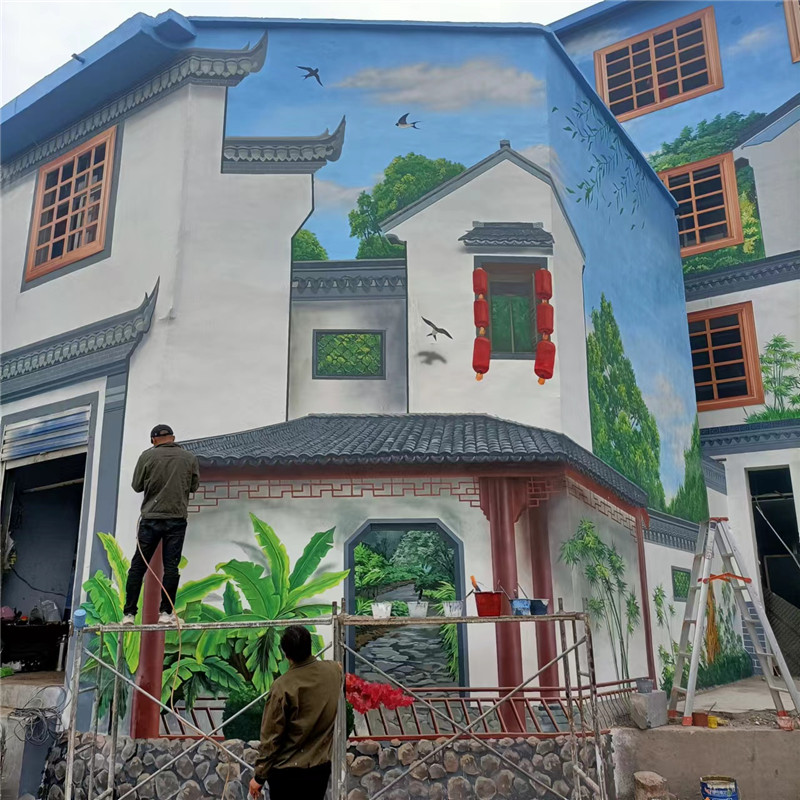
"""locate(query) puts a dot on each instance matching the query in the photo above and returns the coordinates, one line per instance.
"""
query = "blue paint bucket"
(717, 787)
(520, 607)
(539, 607)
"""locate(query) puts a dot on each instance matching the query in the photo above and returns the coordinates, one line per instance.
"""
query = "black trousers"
(294, 783)
(170, 533)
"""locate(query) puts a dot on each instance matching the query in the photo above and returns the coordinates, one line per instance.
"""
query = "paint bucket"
(644, 685)
(381, 610)
(716, 787)
(700, 720)
(488, 603)
(453, 608)
(418, 608)
(521, 607)
(539, 606)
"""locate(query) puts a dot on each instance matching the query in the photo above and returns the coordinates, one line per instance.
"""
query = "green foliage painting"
(351, 355)
(691, 501)
(709, 139)
(306, 247)
(780, 374)
(404, 181)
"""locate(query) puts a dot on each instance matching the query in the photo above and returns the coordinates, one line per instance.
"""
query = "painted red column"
(145, 714)
(502, 501)
(542, 574)
(646, 620)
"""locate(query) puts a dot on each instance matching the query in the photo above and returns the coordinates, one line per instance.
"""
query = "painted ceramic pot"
(418, 608)
(453, 608)
(381, 610)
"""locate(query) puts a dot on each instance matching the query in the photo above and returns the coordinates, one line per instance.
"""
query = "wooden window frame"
(713, 63)
(730, 193)
(515, 273)
(752, 363)
(34, 271)
(792, 10)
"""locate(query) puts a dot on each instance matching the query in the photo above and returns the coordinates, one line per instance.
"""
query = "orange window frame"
(654, 67)
(730, 202)
(82, 187)
(750, 360)
(792, 10)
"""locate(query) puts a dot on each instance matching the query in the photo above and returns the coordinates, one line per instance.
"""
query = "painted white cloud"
(449, 88)
(538, 153)
(753, 40)
(583, 46)
(329, 195)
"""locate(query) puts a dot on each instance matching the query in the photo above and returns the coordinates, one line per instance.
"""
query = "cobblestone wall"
(466, 770)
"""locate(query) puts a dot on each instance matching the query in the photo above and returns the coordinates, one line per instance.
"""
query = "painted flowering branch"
(365, 696)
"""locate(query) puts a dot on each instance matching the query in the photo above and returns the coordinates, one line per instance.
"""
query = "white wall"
(308, 395)
(776, 309)
(440, 289)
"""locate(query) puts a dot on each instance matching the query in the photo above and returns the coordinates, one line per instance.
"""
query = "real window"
(792, 10)
(71, 207)
(680, 584)
(349, 354)
(512, 310)
(660, 67)
(725, 357)
(708, 204)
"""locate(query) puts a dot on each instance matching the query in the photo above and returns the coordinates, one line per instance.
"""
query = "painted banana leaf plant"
(269, 591)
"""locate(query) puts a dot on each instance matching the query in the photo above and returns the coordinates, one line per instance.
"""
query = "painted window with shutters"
(792, 10)
(660, 67)
(725, 359)
(512, 311)
(70, 214)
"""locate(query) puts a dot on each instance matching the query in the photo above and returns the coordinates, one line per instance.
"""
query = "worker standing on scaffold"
(167, 474)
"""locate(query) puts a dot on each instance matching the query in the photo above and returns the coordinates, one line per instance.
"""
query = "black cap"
(161, 430)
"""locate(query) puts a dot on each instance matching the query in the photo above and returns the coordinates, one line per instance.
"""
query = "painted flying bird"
(436, 330)
(313, 72)
(404, 123)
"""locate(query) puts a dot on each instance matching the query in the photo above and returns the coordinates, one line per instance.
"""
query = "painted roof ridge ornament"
(507, 234)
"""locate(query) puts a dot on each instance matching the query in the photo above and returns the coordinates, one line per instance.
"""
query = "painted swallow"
(436, 330)
(404, 123)
(313, 72)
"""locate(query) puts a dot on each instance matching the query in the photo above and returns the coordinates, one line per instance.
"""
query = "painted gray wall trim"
(714, 475)
(213, 67)
(766, 272)
(780, 435)
(505, 153)
(297, 154)
(336, 280)
(100, 348)
(669, 531)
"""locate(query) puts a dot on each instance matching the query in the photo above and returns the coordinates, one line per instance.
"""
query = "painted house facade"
(306, 311)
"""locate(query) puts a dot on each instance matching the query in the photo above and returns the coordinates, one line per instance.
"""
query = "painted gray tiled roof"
(407, 439)
(765, 272)
(333, 280)
(507, 234)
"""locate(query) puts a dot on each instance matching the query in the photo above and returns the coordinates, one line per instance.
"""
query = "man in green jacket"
(167, 474)
(298, 724)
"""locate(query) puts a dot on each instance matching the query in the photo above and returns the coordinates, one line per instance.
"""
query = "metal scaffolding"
(577, 698)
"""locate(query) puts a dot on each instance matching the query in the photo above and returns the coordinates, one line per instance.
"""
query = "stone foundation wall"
(462, 771)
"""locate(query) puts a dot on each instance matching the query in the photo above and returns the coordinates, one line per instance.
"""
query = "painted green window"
(349, 354)
(680, 583)
(513, 317)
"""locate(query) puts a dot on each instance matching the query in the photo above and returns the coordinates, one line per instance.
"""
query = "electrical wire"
(36, 588)
(38, 723)
(772, 528)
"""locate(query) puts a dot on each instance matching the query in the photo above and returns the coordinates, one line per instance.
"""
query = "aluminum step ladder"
(772, 662)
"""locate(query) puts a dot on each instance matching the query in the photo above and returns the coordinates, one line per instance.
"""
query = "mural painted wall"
(423, 104)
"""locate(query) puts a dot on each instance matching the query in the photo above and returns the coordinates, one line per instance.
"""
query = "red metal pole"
(648, 628)
(145, 714)
(542, 574)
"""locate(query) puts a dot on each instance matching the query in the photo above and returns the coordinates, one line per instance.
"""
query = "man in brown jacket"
(298, 724)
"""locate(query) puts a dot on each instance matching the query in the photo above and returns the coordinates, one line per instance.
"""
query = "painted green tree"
(404, 181)
(780, 373)
(708, 139)
(691, 501)
(306, 247)
(624, 432)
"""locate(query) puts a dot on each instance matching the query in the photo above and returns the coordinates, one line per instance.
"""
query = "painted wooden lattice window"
(660, 67)
(792, 10)
(680, 583)
(512, 311)
(708, 204)
(349, 354)
(71, 209)
(725, 357)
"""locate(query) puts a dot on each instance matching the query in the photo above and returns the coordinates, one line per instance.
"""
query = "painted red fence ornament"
(545, 350)
(482, 350)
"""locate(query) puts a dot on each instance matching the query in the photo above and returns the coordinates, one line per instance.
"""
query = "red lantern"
(544, 284)
(544, 318)
(481, 314)
(481, 356)
(545, 359)
(480, 281)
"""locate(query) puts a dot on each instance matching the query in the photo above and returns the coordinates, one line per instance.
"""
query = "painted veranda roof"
(507, 234)
(404, 440)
